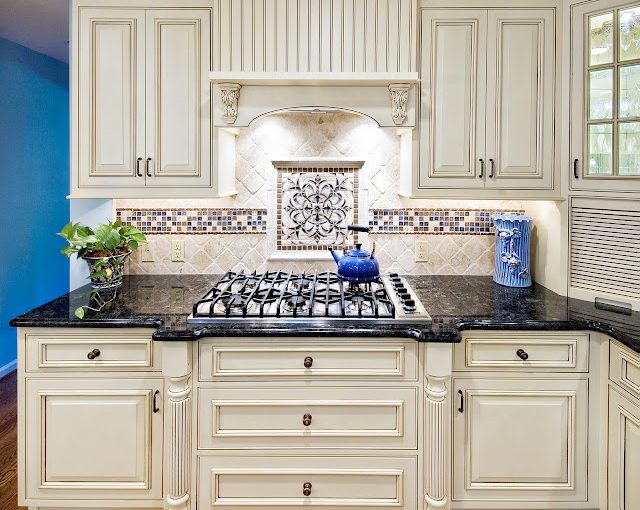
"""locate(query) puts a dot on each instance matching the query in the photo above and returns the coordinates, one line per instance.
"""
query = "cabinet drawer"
(307, 418)
(128, 352)
(530, 352)
(306, 359)
(334, 482)
(624, 368)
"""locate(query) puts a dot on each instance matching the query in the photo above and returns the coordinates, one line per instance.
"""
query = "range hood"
(387, 98)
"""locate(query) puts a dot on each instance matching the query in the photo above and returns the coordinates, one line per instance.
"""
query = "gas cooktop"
(275, 296)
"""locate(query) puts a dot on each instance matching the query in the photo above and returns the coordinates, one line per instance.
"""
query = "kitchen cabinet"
(143, 102)
(605, 109)
(487, 102)
(624, 428)
(91, 418)
(520, 420)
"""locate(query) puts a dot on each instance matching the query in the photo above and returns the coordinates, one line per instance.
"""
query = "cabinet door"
(624, 452)
(111, 97)
(90, 439)
(520, 440)
(605, 97)
(452, 104)
(520, 98)
(178, 98)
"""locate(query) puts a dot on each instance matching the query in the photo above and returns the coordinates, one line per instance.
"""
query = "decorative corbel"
(399, 97)
(230, 94)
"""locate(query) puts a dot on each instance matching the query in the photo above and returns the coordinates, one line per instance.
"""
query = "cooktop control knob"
(409, 305)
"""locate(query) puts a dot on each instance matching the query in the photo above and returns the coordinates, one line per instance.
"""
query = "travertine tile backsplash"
(458, 232)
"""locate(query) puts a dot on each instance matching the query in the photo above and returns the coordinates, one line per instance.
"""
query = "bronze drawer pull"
(521, 353)
(308, 362)
(138, 173)
(94, 354)
(306, 420)
(147, 167)
(155, 401)
(306, 488)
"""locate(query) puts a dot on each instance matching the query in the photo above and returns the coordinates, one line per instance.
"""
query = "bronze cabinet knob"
(522, 354)
(94, 354)
(306, 488)
(306, 420)
(308, 362)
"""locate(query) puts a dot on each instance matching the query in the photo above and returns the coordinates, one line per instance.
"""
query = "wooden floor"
(8, 443)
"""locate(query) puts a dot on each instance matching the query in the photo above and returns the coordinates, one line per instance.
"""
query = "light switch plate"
(421, 251)
(177, 250)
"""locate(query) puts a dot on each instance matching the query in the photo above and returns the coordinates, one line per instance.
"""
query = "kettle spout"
(336, 256)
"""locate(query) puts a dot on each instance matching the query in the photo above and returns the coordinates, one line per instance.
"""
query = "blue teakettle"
(357, 265)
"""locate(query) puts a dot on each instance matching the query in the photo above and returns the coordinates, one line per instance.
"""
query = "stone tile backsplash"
(458, 232)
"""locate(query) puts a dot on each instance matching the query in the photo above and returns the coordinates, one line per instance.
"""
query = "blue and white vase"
(513, 250)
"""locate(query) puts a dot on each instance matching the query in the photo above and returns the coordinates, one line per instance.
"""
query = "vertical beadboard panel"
(292, 35)
(247, 35)
(314, 35)
(337, 31)
(371, 35)
(303, 35)
(348, 59)
(270, 35)
(359, 36)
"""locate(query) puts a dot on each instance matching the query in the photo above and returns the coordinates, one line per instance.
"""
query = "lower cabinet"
(93, 439)
(520, 439)
(624, 452)
(274, 482)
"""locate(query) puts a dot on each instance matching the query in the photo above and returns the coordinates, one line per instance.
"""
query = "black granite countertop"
(455, 303)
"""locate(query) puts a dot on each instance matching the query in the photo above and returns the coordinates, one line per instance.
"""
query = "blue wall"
(34, 181)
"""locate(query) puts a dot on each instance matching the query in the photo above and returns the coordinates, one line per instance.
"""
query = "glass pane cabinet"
(605, 102)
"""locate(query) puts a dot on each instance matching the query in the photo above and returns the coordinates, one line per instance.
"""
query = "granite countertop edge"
(416, 332)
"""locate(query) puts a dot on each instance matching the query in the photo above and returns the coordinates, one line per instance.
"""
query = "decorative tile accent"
(195, 221)
(435, 221)
(314, 206)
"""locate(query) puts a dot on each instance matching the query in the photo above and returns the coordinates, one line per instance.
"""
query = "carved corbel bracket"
(399, 93)
(230, 94)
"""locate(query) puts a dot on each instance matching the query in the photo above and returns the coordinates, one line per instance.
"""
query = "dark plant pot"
(113, 267)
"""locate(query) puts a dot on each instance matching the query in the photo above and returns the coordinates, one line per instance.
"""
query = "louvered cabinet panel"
(314, 36)
(605, 250)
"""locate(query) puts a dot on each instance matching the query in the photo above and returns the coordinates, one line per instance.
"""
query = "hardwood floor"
(8, 443)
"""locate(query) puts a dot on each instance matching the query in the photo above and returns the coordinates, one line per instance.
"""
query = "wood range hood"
(387, 98)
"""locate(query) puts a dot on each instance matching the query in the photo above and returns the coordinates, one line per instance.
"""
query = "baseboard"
(8, 368)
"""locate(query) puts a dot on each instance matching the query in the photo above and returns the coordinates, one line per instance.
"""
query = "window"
(613, 93)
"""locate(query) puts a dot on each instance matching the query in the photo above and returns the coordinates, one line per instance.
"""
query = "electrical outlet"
(145, 253)
(177, 250)
(422, 251)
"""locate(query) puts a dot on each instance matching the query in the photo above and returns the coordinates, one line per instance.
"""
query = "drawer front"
(333, 482)
(307, 418)
(530, 352)
(331, 359)
(86, 352)
(624, 368)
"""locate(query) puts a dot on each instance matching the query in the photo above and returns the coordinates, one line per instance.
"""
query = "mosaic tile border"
(435, 221)
(349, 171)
(195, 220)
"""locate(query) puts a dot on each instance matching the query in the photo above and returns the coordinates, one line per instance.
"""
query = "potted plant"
(105, 250)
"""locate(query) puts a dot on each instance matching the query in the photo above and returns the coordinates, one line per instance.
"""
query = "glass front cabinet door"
(605, 101)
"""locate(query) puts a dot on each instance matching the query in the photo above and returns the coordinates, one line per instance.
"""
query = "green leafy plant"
(105, 250)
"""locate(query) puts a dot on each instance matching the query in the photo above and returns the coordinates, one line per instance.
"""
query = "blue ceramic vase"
(513, 250)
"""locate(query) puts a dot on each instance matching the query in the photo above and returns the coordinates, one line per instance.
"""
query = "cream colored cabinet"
(624, 451)
(143, 97)
(487, 99)
(605, 111)
(520, 439)
(93, 439)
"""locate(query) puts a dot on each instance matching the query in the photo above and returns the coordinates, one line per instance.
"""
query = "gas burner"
(280, 296)
(297, 302)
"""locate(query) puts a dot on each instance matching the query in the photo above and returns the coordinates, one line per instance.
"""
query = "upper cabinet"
(605, 96)
(487, 102)
(143, 96)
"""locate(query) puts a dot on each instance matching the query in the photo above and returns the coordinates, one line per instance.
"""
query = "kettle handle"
(358, 228)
